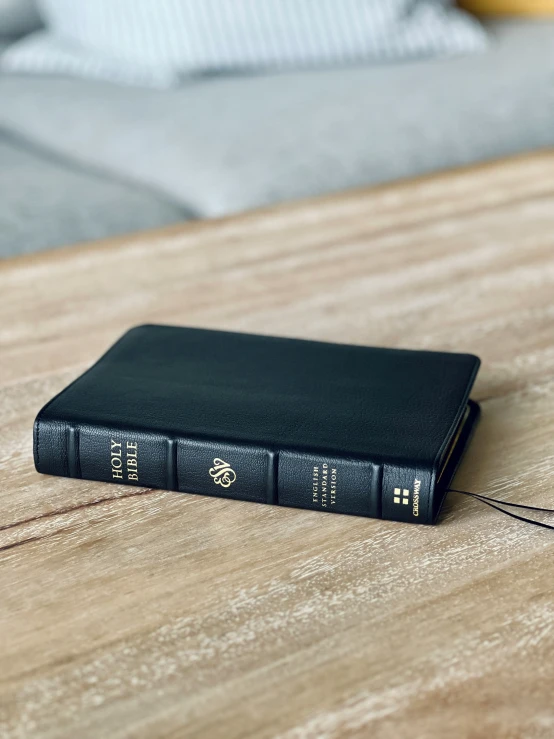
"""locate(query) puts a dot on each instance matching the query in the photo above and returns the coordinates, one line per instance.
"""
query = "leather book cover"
(332, 427)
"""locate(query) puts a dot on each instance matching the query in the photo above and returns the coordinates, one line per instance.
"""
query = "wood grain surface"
(139, 613)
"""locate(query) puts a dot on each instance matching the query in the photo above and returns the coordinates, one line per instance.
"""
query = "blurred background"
(121, 115)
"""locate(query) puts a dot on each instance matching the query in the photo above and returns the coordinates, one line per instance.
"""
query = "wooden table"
(139, 613)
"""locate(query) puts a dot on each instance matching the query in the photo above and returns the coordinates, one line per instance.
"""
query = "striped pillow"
(158, 42)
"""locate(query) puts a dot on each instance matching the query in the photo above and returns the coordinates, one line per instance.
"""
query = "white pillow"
(157, 42)
(18, 17)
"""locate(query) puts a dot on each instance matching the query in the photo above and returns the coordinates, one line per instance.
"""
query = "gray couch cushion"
(4, 44)
(229, 144)
(44, 203)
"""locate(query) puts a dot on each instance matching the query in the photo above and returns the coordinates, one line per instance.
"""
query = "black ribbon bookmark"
(491, 502)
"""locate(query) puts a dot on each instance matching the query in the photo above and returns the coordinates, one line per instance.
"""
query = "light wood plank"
(136, 613)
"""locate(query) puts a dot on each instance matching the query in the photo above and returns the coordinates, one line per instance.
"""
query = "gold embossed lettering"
(115, 458)
(315, 484)
(324, 485)
(131, 459)
(333, 485)
(417, 487)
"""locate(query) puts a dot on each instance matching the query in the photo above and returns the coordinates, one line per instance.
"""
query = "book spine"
(335, 484)
(407, 493)
(149, 459)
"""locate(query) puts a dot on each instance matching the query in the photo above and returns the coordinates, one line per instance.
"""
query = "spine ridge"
(172, 477)
(73, 451)
(272, 476)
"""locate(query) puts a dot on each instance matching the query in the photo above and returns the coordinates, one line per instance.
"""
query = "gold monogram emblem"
(222, 473)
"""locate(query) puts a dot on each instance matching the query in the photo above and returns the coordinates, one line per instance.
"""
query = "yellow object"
(509, 7)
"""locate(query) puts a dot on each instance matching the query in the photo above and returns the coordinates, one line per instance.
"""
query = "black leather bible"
(328, 427)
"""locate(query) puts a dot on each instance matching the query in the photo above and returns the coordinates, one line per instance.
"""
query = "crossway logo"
(401, 496)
